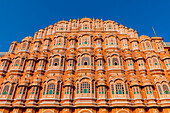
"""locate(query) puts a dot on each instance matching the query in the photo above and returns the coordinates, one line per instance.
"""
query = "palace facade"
(86, 66)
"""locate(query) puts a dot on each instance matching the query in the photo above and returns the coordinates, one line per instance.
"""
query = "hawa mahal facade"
(86, 66)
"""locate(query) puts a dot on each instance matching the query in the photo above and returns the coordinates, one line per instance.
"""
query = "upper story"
(87, 43)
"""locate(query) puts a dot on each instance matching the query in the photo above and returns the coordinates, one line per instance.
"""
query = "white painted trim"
(84, 110)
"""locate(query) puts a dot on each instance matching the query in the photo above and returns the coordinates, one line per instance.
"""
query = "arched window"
(137, 90)
(61, 61)
(56, 62)
(6, 89)
(112, 89)
(91, 61)
(85, 61)
(165, 88)
(50, 62)
(150, 62)
(24, 46)
(58, 89)
(119, 88)
(86, 40)
(111, 41)
(134, 91)
(17, 62)
(109, 26)
(93, 87)
(11, 90)
(148, 90)
(78, 61)
(115, 61)
(33, 90)
(20, 90)
(143, 46)
(77, 88)
(79, 41)
(106, 41)
(51, 89)
(159, 89)
(85, 87)
(148, 45)
(155, 61)
(44, 89)
(60, 41)
(109, 62)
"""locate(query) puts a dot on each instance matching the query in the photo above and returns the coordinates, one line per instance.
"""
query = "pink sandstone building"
(86, 66)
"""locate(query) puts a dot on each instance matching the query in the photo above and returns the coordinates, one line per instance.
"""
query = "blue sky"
(20, 18)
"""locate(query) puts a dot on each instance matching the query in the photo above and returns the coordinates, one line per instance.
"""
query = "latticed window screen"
(24, 90)
(24, 45)
(44, 89)
(148, 90)
(106, 41)
(58, 89)
(91, 61)
(51, 89)
(20, 91)
(137, 90)
(61, 61)
(166, 89)
(99, 90)
(126, 88)
(6, 89)
(50, 62)
(103, 90)
(85, 61)
(60, 41)
(111, 41)
(56, 62)
(143, 46)
(115, 61)
(112, 89)
(159, 89)
(155, 61)
(109, 62)
(33, 90)
(119, 88)
(93, 87)
(67, 90)
(78, 61)
(148, 45)
(77, 88)
(17, 62)
(134, 91)
(85, 87)
(79, 41)
(150, 62)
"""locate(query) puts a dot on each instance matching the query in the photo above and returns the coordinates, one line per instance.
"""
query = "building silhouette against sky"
(86, 66)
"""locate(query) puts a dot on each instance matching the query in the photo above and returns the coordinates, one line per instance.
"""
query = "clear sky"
(20, 18)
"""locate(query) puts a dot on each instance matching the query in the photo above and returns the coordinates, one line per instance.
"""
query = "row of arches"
(85, 40)
(84, 87)
(114, 61)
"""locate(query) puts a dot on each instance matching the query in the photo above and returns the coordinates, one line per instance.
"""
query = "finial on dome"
(85, 16)
(63, 19)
